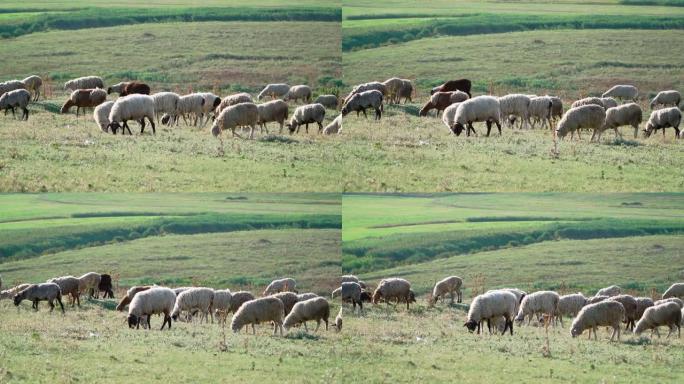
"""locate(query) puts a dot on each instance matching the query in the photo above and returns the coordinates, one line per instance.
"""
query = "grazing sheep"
(393, 85)
(596, 299)
(86, 82)
(11, 85)
(441, 100)
(130, 294)
(540, 109)
(275, 91)
(328, 101)
(40, 292)
(624, 92)
(660, 119)
(239, 298)
(129, 88)
(69, 287)
(335, 126)
(190, 105)
(491, 306)
(313, 309)
(306, 114)
(297, 92)
(570, 305)
(588, 101)
(351, 291)
(132, 107)
(33, 84)
(675, 290)
(612, 290)
(675, 300)
(211, 102)
(180, 290)
(196, 298)
(166, 103)
(393, 288)
(84, 98)
(221, 304)
(642, 304)
(668, 314)
(462, 85)
(585, 116)
(625, 114)
(450, 285)
(18, 98)
(630, 304)
(336, 292)
(372, 86)
(101, 115)
(480, 108)
(156, 300)
(338, 321)
(10, 293)
(359, 102)
(234, 99)
(556, 108)
(306, 296)
(609, 102)
(88, 283)
(106, 286)
(286, 284)
(449, 116)
(289, 299)
(538, 303)
(238, 115)
(516, 105)
(666, 99)
(606, 313)
(405, 92)
(258, 311)
(275, 110)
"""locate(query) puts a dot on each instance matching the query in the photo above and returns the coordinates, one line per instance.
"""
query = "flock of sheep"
(282, 305)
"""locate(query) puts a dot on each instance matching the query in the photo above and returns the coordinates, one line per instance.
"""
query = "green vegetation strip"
(668, 3)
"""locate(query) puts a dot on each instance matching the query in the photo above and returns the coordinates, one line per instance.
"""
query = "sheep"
(625, 114)
(393, 288)
(660, 119)
(480, 108)
(515, 105)
(450, 285)
(570, 305)
(257, 311)
(33, 84)
(192, 104)
(586, 116)
(11, 85)
(462, 85)
(608, 102)
(238, 115)
(211, 102)
(624, 92)
(130, 294)
(607, 313)
(372, 86)
(538, 303)
(10, 293)
(642, 304)
(668, 314)
(351, 291)
(129, 88)
(675, 290)
(441, 100)
(491, 306)
(275, 110)
(179, 290)
(84, 98)
(166, 103)
(540, 108)
(359, 102)
(306, 296)
(101, 115)
(335, 126)
(106, 286)
(612, 290)
(289, 299)
(221, 304)
(286, 284)
(18, 98)
(239, 298)
(338, 321)
(596, 299)
(196, 298)
(69, 286)
(233, 100)
(449, 115)
(588, 101)
(675, 300)
(556, 108)
(349, 278)
(393, 85)
(405, 92)
(84, 83)
(666, 99)
(274, 91)
(306, 114)
(156, 300)
(328, 101)
(630, 304)
(88, 283)
(336, 292)
(132, 107)
(313, 309)
(297, 92)
(39, 292)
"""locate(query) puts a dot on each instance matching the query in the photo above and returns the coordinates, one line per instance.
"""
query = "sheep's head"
(217, 102)
(457, 128)
(17, 299)
(166, 118)
(649, 129)
(424, 111)
(114, 126)
(109, 90)
(65, 108)
(366, 296)
(411, 297)
(215, 130)
(575, 330)
(133, 321)
(471, 325)
(377, 295)
(561, 130)
(292, 125)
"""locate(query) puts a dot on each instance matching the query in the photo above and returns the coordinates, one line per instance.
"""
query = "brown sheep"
(130, 87)
(441, 100)
(462, 85)
(84, 98)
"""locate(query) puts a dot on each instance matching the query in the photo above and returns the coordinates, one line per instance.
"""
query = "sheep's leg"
(26, 113)
(320, 127)
(452, 296)
(364, 112)
(677, 132)
(253, 329)
(378, 113)
(251, 131)
(307, 128)
(489, 127)
(154, 131)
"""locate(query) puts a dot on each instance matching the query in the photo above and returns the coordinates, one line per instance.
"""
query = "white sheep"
(101, 115)
(11, 85)
(516, 105)
(335, 126)
(607, 313)
(166, 103)
(675, 290)
(586, 116)
(233, 99)
(612, 290)
(642, 304)
(297, 92)
(490, 307)
(275, 91)
(624, 92)
(130, 294)
(667, 99)
(85, 82)
(675, 300)
(336, 292)
(608, 102)
(40, 292)
(211, 101)
(328, 101)
(449, 116)
(313, 309)
(449, 285)
(286, 284)
(239, 298)
(238, 115)
(10, 293)
(221, 304)
(19, 98)
(351, 291)
(69, 286)
(570, 305)
(275, 110)
(305, 115)
(89, 283)
(394, 288)
(661, 119)
(359, 102)
(156, 300)
(373, 85)
(480, 108)
(195, 299)
(538, 303)
(306, 296)
(630, 304)
(596, 299)
(588, 101)
(258, 311)
(669, 314)
(625, 114)
(33, 84)
(540, 110)
(338, 321)
(393, 86)
(190, 105)
(132, 107)
(405, 92)
(289, 300)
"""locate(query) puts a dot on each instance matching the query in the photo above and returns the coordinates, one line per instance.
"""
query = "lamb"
(359, 102)
(338, 321)
(286, 284)
(538, 303)
(196, 298)
(106, 286)
(612, 290)
(393, 85)
(10, 293)
(275, 91)
(156, 300)
(221, 304)
(441, 100)
(101, 115)
(33, 84)
(372, 86)
(11, 85)
(297, 92)
(275, 110)
(40, 292)
(480, 108)
(166, 103)
(351, 291)
(18, 98)
(129, 88)
(335, 126)
(606, 313)
(608, 102)
(668, 314)
(239, 298)
(257, 311)
(235, 99)
(597, 299)
(450, 285)
(463, 85)
(630, 304)
(69, 286)
(393, 288)
(86, 82)
(84, 98)
(588, 101)
(328, 101)
(289, 300)
(132, 107)
(675, 290)
(540, 109)
(88, 283)
(666, 99)
(642, 304)
(306, 114)
(313, 309)
(515, 105)
(130, 294)
(238, 115)
(570, 305)
(660, 119)
(491, 306)
(406, 91)
(625, 114)
(192, 104)
(675, 300)
(624, 92)
(586, 116)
